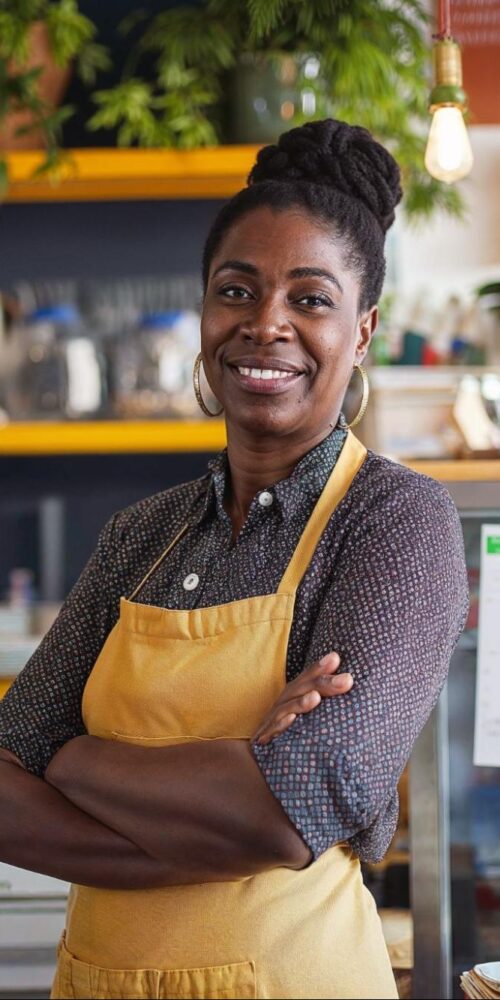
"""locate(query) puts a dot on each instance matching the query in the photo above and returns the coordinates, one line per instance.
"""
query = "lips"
(270, 376)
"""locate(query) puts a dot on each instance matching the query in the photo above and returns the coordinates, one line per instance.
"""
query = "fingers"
(285, 714)
(276, 728)
(328, 664)
(328, 686)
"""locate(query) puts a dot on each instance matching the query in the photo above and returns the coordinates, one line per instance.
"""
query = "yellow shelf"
(164, 436)
(116, 174)
(112, 437)
(5, 683)
(448, 471)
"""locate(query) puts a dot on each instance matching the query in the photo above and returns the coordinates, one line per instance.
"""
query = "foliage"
(72, 39)
(374, 58)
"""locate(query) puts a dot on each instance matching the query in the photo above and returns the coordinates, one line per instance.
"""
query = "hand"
(302, 695)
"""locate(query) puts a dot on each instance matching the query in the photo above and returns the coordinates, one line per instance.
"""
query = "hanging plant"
(372, 69)
(40, 42)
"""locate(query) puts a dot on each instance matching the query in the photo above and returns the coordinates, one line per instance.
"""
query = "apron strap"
(348, 464)
(158, 562)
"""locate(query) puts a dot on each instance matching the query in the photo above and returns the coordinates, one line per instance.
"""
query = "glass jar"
(53, 368)
(153, 366)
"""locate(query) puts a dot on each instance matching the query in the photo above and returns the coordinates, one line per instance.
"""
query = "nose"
(266, 324)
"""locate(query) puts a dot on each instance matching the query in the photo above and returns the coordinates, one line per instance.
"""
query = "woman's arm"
(395, 608)
(42, 831)
(202, 809)
(39, 828)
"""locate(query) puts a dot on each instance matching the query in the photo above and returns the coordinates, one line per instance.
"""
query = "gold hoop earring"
(197, 390)
(364, 400)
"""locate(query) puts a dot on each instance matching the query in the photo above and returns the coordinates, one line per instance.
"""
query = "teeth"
(264, 373)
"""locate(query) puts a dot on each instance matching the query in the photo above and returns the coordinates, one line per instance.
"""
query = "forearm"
(202, 809)
(41, 831)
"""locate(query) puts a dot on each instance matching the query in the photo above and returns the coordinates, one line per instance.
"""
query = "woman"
(184, 731)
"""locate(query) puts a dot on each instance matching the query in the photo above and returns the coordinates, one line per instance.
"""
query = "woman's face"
(280, 327)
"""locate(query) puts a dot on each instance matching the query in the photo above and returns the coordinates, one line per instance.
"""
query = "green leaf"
(92, 60)
(68, 30)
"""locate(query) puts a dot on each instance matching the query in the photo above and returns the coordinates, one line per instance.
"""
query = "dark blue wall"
(102, 239)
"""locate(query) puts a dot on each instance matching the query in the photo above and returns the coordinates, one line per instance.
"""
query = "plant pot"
(272, 92)
(52, 85)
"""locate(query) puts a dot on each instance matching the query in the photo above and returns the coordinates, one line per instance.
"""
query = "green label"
(493, 545)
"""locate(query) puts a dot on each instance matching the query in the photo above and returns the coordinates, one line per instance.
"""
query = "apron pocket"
(77, 980)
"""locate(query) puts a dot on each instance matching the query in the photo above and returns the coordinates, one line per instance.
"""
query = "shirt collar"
(302, 487)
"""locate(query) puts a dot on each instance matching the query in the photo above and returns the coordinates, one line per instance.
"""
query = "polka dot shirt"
(386, 589)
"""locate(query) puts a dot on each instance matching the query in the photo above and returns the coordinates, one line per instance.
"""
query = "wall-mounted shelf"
(171, 436)
(120, 174)
(463, 471)
(112, 437)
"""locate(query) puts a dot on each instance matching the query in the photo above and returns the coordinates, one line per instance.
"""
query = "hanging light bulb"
(448, 156)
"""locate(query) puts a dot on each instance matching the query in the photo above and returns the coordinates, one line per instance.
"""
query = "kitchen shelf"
(165, 436)
(111, 437)
(121, 174)
(462, 471)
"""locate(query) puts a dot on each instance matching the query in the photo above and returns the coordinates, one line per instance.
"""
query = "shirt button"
(266, 498)
(191, 581)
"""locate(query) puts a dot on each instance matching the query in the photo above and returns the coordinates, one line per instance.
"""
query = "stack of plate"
(482, 981)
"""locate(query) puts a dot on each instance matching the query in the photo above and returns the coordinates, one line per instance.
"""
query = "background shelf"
(115, 437)
(112, 437)
(120, 174)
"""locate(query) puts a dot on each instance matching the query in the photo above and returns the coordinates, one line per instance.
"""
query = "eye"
(234, 292)
(315, 300)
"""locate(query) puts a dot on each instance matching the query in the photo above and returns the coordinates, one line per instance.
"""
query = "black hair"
(339, 174)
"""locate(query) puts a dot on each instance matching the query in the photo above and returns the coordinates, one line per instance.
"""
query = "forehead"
(280, 241)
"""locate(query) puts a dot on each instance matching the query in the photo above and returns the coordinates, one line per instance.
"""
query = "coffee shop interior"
(122, 132)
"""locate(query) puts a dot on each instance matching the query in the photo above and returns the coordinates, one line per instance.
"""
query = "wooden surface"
(116, 174)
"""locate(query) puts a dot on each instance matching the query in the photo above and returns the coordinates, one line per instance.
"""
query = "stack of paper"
(482, 981)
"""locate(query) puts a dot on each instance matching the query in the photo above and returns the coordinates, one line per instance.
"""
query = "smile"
(265, 373)
(267, 380)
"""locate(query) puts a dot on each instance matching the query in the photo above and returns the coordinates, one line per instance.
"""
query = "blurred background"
(123, 127)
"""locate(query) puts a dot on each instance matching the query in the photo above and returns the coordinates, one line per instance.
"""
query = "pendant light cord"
(444, 22)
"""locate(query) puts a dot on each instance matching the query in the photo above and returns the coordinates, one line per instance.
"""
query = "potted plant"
(248, 69)
(40, 41)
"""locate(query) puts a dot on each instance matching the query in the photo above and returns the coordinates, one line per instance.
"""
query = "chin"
(263, 421)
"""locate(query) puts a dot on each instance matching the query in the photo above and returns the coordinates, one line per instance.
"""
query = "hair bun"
(337, 155)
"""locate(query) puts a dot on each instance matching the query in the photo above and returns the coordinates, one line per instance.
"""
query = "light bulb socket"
(447, 68)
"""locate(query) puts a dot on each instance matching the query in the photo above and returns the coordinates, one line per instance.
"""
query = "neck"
(259, 461)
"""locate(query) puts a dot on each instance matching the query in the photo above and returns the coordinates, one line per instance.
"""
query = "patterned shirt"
(386, 589)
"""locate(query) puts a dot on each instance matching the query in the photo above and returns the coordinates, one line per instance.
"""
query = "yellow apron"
(309, 933)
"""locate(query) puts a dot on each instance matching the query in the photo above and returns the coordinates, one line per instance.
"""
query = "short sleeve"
(42, 709)
(394, 610)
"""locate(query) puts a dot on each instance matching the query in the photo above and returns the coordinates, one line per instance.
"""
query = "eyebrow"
(237, 265)
(297, 272)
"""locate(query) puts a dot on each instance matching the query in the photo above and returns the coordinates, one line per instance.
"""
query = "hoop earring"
(364, 400)
(197, 389)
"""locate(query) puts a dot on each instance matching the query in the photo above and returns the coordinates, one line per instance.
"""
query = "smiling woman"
(227, 739)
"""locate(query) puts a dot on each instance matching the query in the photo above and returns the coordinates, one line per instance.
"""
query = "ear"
(367, 324)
